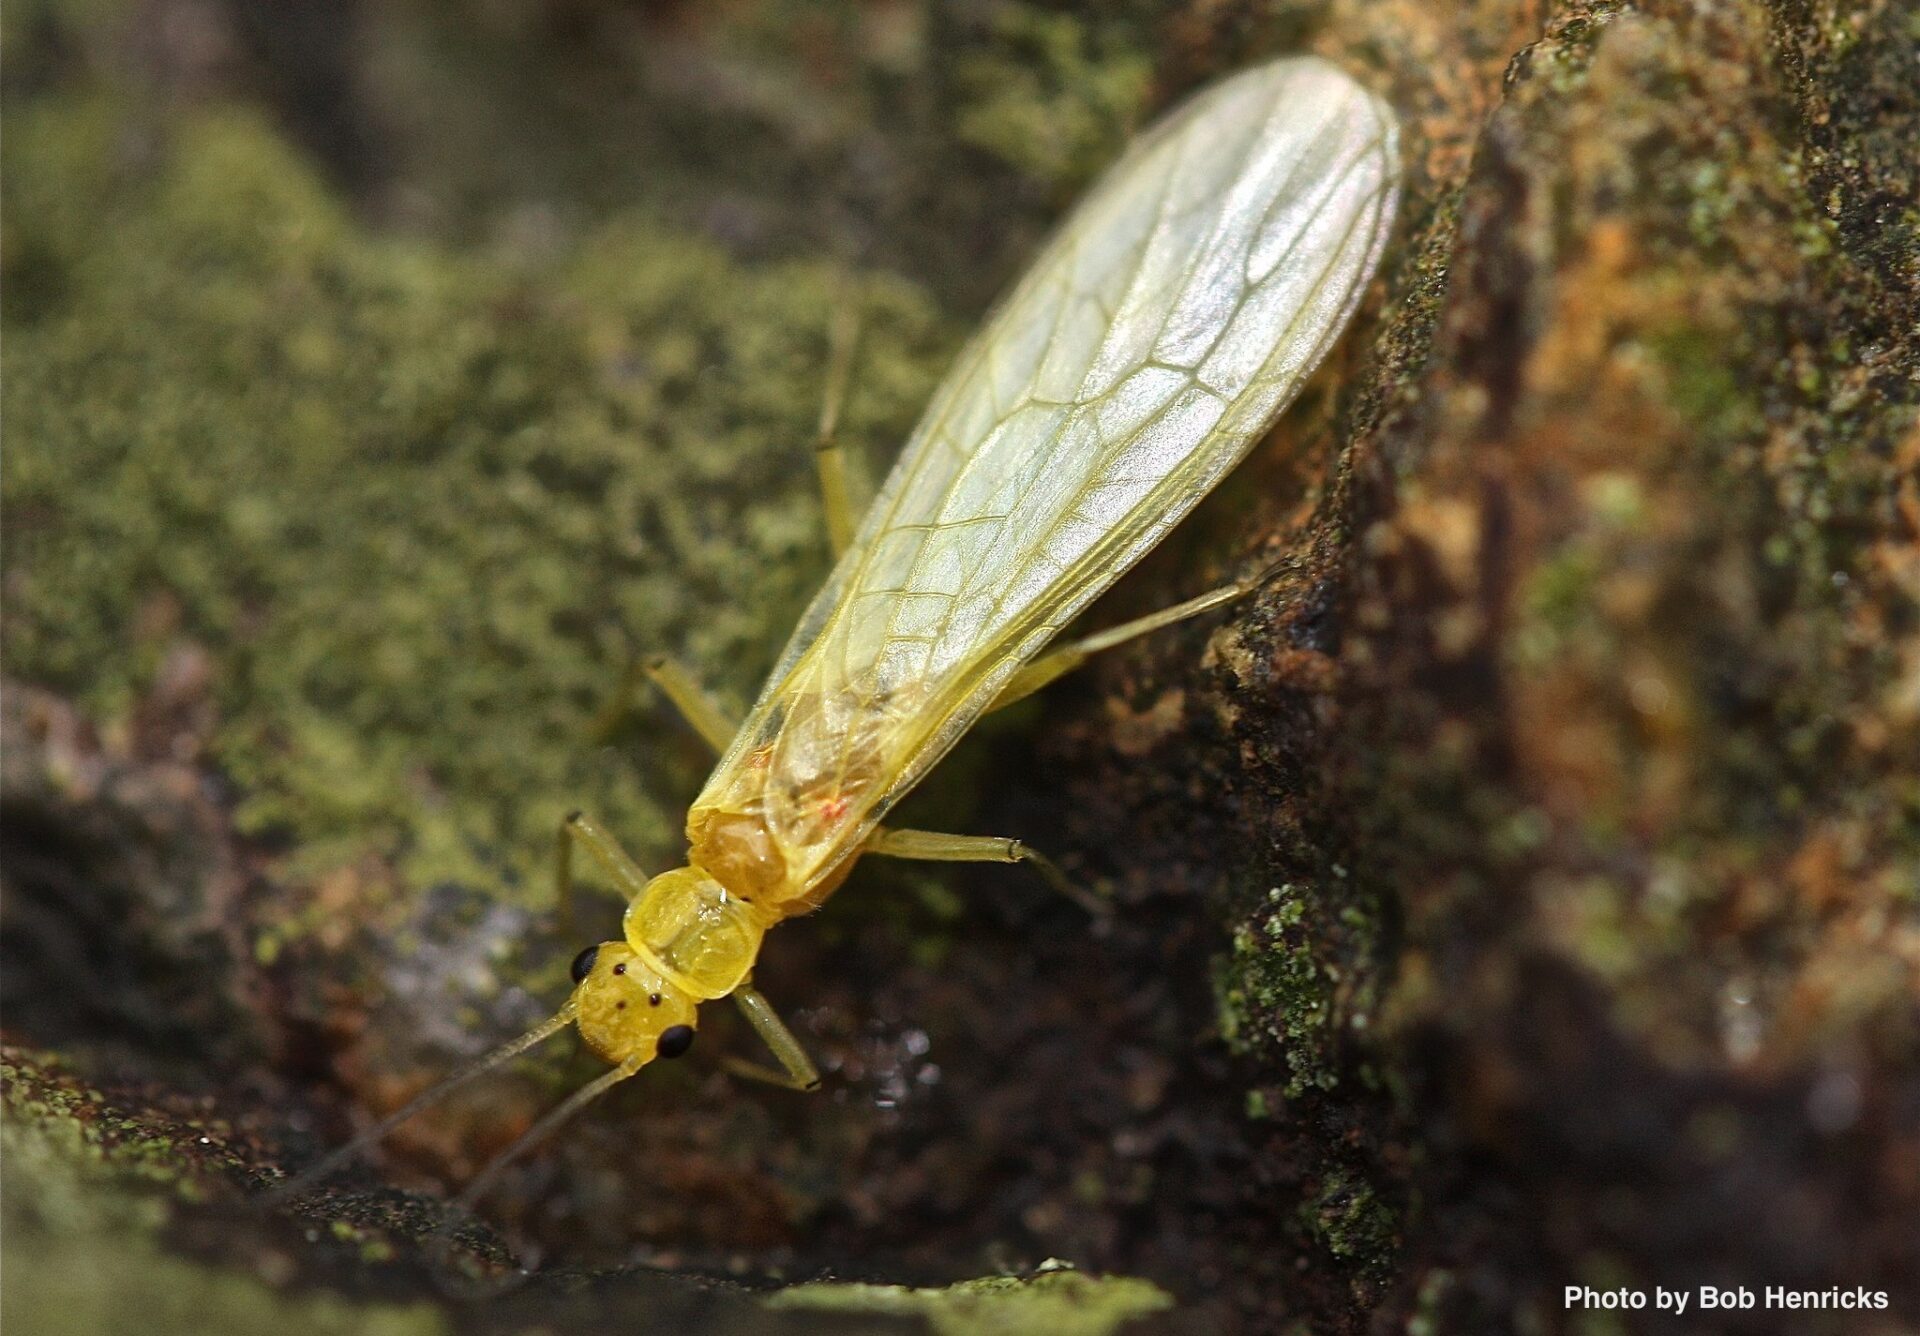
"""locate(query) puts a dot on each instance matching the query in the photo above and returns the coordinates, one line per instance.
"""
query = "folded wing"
(1165, 325)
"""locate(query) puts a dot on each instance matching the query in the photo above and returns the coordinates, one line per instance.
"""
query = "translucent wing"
(1162, 329)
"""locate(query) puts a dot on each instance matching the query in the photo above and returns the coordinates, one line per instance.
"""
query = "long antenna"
(462, 1206)
(331, 1162)
(540, 1131)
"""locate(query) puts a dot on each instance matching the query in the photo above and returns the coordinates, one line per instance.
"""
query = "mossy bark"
(1596, 849)
(1520, 891)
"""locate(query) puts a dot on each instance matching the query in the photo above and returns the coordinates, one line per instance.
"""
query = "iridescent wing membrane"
(1164, 326)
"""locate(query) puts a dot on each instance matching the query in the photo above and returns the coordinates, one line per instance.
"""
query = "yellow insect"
(1162, 329)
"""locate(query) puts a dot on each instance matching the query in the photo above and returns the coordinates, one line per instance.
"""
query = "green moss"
(1273, 988)
(1053, 94)
(80, 1188)
(1351, 1221)
(1557, 602)
(1055, 1301)
(1702, 383)
(99, 1140)
(1426, 1317)
(419, 506)
(1561, 63)
(55, 1283)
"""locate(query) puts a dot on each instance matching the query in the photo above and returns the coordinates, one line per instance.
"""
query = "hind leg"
(933, 847)
(1061, 661)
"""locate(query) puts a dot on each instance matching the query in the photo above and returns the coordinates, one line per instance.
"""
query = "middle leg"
(702, 713)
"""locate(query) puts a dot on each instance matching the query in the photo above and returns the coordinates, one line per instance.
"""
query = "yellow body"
(1173, 316)
(1175, 313)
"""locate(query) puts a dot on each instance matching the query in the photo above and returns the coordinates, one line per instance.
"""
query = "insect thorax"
(695, 933)
(772, 837)
(774, 877)
(780, 823)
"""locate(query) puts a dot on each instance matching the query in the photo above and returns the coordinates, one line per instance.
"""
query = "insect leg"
(691, 700)
(1059, 662)
(606, 851)
(679, 686)
(799, 1073)
(836, 491)
(934, 847)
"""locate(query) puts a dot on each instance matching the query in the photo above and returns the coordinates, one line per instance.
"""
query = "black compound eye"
(675, 1040)
(583, 964)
